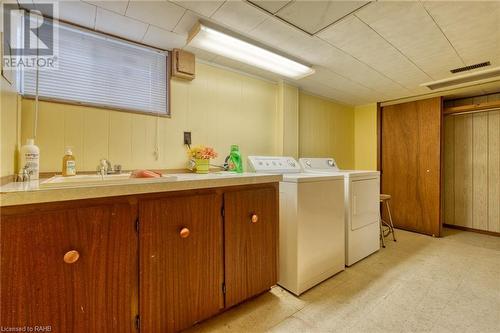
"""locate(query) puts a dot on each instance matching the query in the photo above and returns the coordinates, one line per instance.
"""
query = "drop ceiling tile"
(187, 22)
(320, 53)
(116, 6)
(343, 84)
(163, 14)
(78, 12)
(277, 34)
(318, 88)
(205, 8)
(472, 27)
(75, 12)
(239, 15)
(324, 13)
(357, 39)
(407, 26)
(270, 5)
(119, 25)
(315, 51)
(163, 39)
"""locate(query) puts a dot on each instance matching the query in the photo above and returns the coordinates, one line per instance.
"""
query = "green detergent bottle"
(234, 160)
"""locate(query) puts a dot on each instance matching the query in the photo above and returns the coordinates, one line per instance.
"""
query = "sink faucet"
(25, 175)
(105, 168)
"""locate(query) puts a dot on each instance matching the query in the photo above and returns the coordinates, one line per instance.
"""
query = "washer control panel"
(318, 164)
(273, 164)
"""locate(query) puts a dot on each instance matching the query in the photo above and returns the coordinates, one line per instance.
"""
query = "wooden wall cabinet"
(149, 263)
(183, 64)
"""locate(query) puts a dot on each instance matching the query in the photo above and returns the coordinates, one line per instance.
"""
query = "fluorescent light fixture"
(487, 75)
(216, 41)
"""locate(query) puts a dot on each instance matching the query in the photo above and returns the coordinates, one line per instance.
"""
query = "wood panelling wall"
(472, 170)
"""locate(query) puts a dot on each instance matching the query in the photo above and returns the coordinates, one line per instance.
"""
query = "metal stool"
(385, 198)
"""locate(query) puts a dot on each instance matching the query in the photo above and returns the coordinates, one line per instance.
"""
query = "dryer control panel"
(315, 164)
(273, 164)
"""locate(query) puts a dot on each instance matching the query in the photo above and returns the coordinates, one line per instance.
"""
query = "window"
(102, 71)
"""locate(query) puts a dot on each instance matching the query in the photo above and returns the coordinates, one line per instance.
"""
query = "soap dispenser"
(29, 157)
(69, 163)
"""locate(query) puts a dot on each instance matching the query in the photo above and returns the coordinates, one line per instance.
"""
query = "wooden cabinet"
(181, 266)
(250, 233)
(95, 290)
(153, 263)
(183, 64)
(411, 164)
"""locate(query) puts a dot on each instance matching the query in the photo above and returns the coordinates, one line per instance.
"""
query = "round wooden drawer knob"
(71, 257)
(254, 218)
(184, 233)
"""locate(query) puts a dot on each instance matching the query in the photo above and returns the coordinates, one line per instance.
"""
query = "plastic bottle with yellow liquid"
(69, 163)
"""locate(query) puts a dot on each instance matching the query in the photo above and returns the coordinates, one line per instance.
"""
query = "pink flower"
(202, 152)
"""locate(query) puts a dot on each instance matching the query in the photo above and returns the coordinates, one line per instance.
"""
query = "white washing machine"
(362, 219)
(311, 226)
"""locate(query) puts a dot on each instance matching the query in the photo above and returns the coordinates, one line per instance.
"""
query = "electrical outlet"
(187, 138)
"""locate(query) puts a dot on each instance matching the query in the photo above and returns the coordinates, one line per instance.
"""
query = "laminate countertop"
(35, 191)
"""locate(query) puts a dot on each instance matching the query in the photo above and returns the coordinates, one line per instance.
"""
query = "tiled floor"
(418, 284)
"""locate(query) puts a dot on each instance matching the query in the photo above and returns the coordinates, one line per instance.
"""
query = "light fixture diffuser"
(228, 45)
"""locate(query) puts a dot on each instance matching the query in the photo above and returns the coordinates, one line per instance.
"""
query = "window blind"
(98, 70)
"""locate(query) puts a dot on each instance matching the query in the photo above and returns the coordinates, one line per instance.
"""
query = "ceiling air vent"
(487, 75)
(470, 67)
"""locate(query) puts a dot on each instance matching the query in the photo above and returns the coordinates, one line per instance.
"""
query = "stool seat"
(384, 197)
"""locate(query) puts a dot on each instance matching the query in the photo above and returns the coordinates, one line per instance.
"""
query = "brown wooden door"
(96, 293)
(411, 164)
(250, 248)
(180, 278)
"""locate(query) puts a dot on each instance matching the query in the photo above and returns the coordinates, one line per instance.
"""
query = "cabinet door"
(411, 164)
(181, 268)
(94, 289)
(250, 246)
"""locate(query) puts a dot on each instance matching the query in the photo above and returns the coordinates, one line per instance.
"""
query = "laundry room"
(250, 166)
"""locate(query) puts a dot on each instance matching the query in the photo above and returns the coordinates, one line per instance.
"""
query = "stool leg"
(390, 220)
(381, 232)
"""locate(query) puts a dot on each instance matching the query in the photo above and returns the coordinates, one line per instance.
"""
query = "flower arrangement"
(201, 156)
(202, 153)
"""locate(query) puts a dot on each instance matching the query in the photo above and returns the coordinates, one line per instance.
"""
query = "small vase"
(202, 165)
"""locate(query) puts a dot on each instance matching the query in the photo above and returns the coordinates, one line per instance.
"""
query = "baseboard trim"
(459, 227)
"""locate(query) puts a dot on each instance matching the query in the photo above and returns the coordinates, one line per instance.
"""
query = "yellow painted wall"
(287, 130)
(365, 137)
(219, 107)
(9, 127)
(326, 129)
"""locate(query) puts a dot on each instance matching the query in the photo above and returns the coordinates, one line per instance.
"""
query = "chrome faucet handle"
(26, 174)
(117, 168)
(104, 167)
